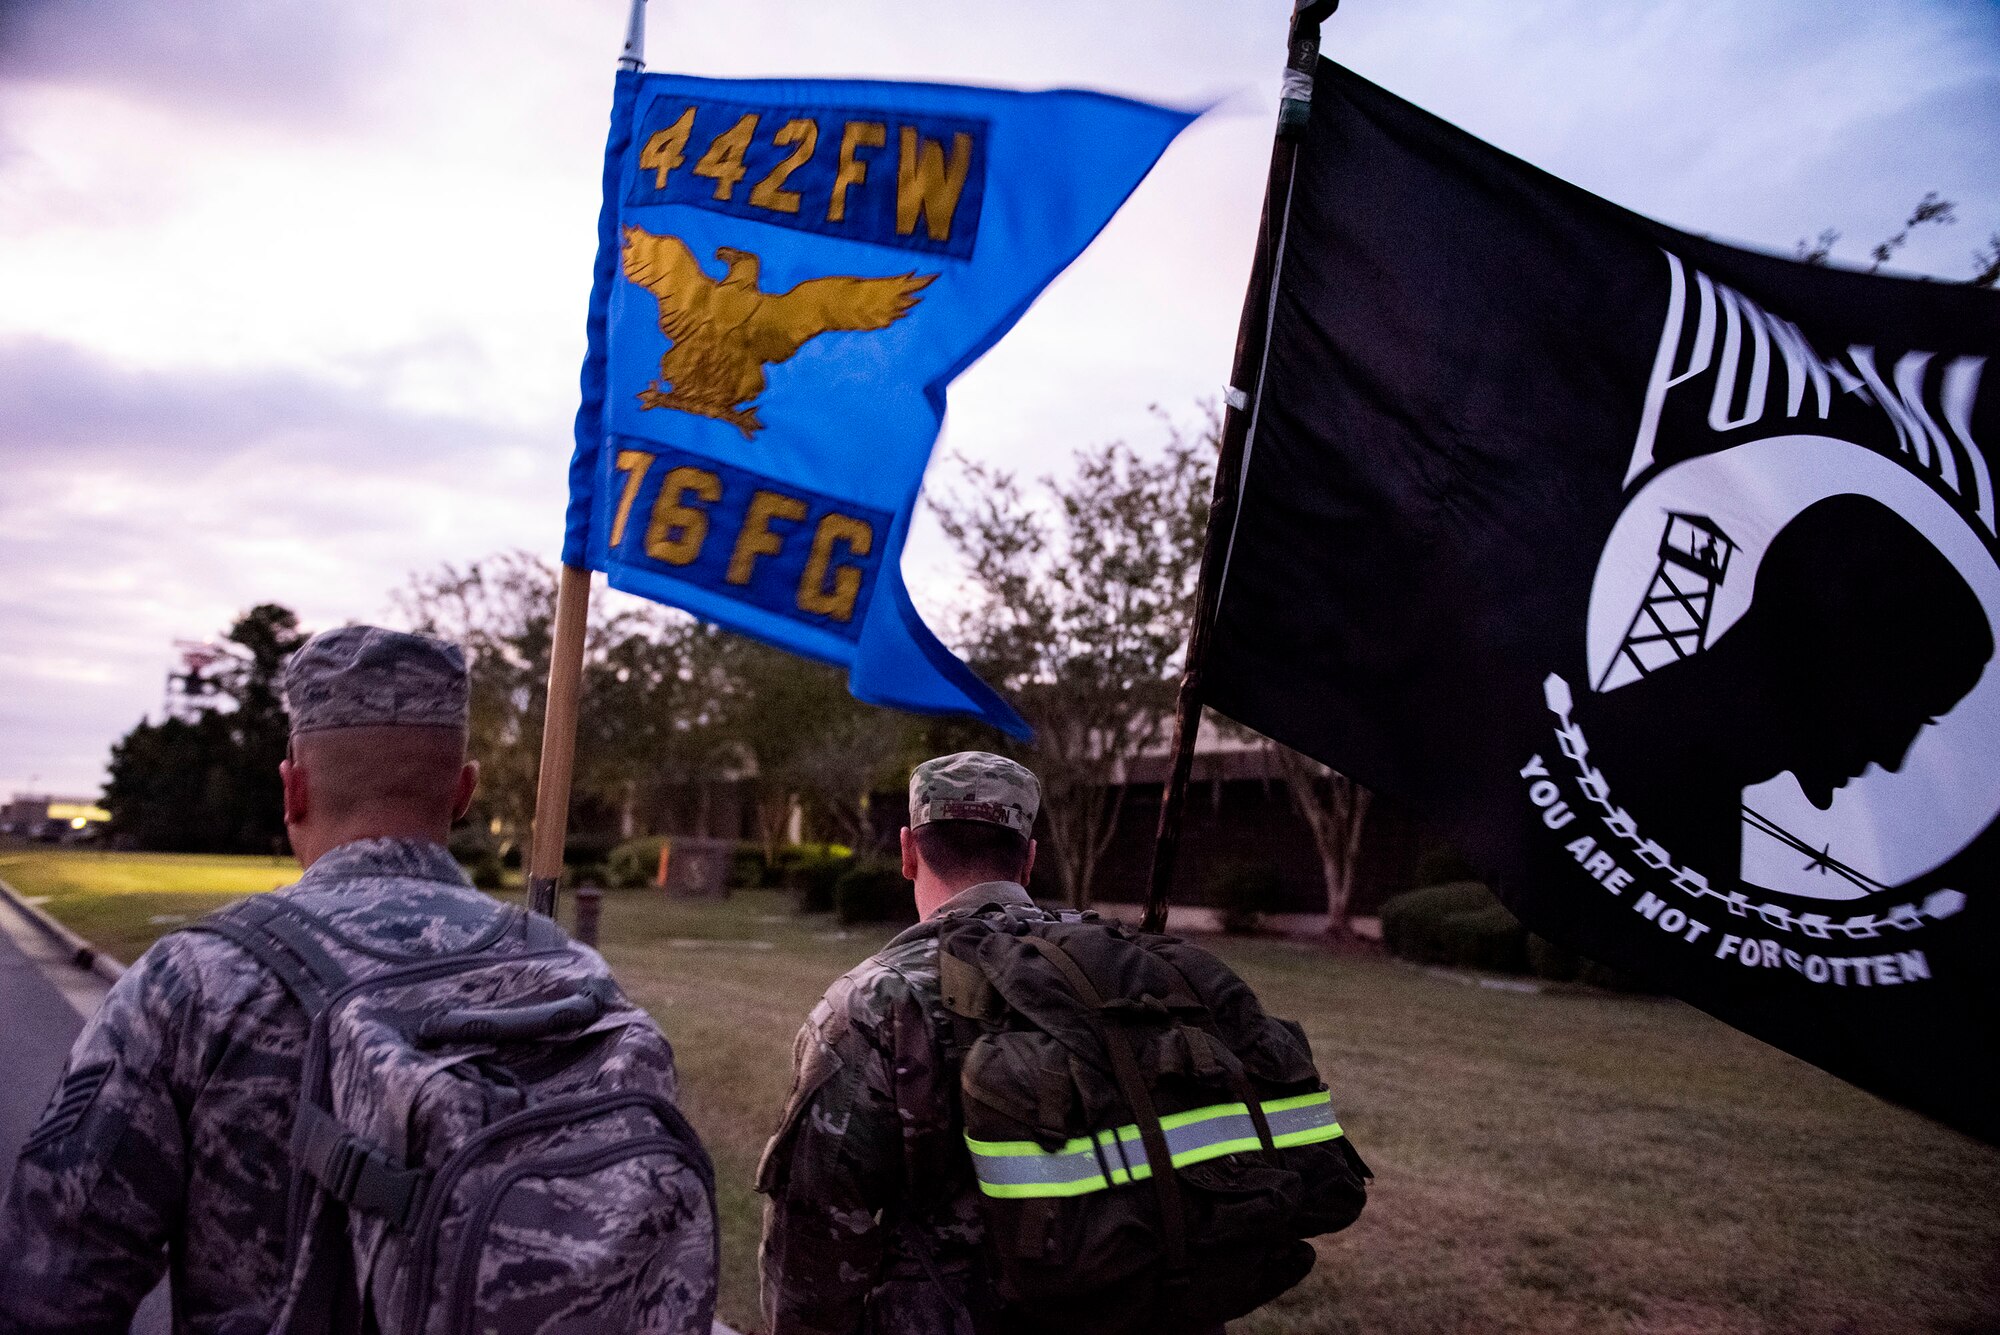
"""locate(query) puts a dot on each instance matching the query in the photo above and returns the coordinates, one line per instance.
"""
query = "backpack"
(1151, 1148)
(486, 1140)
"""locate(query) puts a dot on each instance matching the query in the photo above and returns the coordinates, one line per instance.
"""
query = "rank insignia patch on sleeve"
(66, 1110)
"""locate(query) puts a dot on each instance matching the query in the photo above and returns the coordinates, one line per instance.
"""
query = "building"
(52, 819)
(1239, 818)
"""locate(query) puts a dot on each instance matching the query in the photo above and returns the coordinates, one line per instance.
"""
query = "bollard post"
(589, 900)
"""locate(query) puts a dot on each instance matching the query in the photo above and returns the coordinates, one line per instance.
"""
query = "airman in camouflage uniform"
(168, 1137)
(873, 1221)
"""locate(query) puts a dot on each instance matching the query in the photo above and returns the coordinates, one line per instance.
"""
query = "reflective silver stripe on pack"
(1112, 1158)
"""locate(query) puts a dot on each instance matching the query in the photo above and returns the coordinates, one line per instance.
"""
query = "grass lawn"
(1547, 1163)
(120, 902)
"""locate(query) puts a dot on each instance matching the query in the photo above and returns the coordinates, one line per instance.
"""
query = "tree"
(648, 701)
(260, 731)
(1987, 261)
(1929, 209)
(807, 744)
(665, 699)
(1080, 614)
(208, 782)
(160, 778)
(502, 612)
(1335, 808)
(656, 688)
(838, 773)
(1932, 210)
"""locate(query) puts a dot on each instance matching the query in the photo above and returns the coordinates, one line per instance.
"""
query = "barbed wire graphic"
(1909, 917)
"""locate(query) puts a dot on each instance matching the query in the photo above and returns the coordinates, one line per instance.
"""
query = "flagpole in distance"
(1245, 382)
(558, 767)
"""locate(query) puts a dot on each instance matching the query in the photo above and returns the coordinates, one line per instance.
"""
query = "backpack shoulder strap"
(1132, 1082)
(1219, 1051)
(283, 941)
(964, 988)
(543, 933)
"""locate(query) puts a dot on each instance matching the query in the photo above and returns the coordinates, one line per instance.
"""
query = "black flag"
(1662, 575)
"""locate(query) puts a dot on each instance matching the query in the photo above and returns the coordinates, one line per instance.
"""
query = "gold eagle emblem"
(724, 331)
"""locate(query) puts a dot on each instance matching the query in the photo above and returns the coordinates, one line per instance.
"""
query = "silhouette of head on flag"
(1865, 634)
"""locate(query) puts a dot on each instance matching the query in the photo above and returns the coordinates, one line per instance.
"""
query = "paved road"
(43, 1001)
(40, 1024)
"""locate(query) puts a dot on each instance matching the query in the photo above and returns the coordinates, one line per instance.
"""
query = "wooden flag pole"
(1239, 415)
(552, 785)
(545, 857)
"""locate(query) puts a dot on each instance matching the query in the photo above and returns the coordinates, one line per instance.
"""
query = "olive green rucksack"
(1151, 1147)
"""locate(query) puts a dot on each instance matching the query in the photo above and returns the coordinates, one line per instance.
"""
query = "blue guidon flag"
(789, 274)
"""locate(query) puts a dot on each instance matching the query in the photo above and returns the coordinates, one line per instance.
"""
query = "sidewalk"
(44, 999)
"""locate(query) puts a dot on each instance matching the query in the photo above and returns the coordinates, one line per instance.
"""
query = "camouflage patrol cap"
(367, 677)
(975, 785)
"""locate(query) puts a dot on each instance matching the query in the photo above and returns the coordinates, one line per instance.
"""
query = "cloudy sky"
(291, 294)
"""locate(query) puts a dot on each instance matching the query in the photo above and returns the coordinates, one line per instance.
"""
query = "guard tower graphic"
(1672, 620)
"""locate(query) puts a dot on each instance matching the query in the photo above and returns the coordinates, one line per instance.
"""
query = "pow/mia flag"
(1661, 574)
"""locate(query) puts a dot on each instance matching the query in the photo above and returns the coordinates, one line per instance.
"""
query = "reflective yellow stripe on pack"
(1112, 1158)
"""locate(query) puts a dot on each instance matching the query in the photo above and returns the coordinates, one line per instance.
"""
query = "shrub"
(1462, 924)
(1409, 919)
(473, 849)
(1558, 964)
(1593, 974)
(581, 850)
(1491, 939)
(874, 891)
(1459, 924)
(792, 856)
(586, 873)
(469, 843)
(1441, 864)
(813, 870)
(633, 863)
(747, 868)
(1243, 894)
